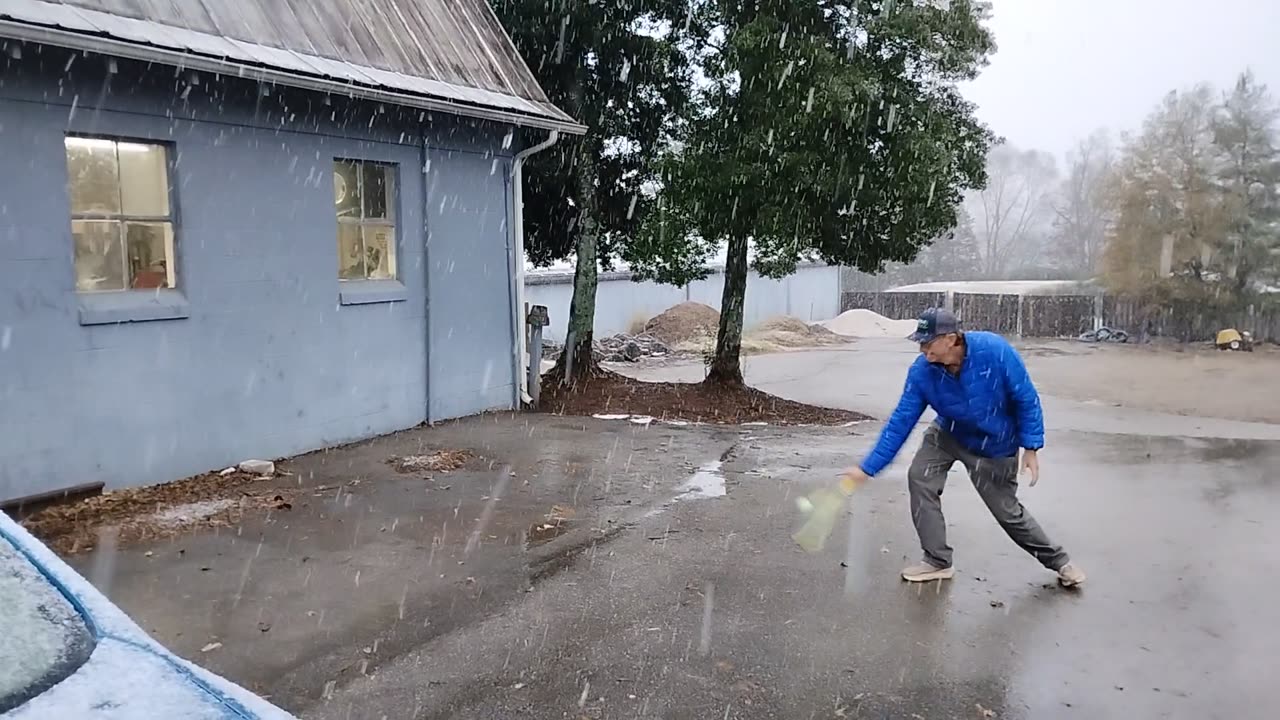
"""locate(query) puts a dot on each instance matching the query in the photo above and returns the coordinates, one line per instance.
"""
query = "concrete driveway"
(677, 592)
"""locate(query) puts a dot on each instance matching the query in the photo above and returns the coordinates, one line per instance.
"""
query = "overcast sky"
(1067, 67)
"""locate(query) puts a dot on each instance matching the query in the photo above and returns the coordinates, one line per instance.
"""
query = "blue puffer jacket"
(992, 408)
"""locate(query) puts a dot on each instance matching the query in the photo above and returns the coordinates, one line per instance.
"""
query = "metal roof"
(448, 55)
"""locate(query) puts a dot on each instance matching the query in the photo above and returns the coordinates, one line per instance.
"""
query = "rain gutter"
(517, 253)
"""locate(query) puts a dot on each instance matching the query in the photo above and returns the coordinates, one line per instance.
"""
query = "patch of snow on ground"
(707, 482)
(191, 512)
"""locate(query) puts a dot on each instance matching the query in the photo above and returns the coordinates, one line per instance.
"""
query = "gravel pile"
(618, 348)
(626, 348)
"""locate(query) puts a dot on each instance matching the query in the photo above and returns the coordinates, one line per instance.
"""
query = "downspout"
(517, 229)
(427, 285)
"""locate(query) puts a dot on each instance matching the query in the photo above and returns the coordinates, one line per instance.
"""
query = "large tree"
(624, 70)
(1248, 174)
(1013, 213)
(1084, 206)
(1170, 220)
(831, 130)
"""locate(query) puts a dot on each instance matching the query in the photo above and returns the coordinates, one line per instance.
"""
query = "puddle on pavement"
(707, 482)
(1142, 449)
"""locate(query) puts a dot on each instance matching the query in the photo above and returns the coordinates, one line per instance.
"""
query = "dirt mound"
(788, 332)
(868, 324)
(694, 402)
(683, 323)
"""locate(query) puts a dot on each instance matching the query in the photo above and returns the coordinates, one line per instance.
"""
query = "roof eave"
(223, 66)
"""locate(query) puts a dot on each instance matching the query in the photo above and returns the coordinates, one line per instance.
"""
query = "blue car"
(67, 652)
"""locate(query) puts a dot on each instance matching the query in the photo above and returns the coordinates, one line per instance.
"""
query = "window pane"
(151, 257)
(350, 252)
(144, 180)
(380, 251)
(99, 255)
(346, 189)
(92, 176)
(376, 190)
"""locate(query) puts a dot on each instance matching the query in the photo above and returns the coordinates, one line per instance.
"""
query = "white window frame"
(392, 220)
(122, 219)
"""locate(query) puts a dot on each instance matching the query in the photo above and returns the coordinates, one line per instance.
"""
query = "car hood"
(128, 675)
(123, 680)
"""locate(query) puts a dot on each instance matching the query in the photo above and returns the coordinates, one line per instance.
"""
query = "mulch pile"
(611, 393)
(135, 514)
(685, 322)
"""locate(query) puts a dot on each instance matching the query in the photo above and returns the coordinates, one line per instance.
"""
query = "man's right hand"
(852, 479)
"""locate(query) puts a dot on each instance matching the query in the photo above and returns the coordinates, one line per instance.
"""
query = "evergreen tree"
(623, 69)
(831, 130)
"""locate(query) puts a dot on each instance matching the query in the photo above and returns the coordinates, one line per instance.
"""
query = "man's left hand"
(1031, 463)
(852, 479)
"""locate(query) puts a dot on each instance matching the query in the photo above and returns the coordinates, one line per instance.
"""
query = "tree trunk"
(726, 366)
(582, 308)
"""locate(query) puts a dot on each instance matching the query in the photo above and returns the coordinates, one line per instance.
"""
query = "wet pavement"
(666, 585)
(706, 610)
(368, 563)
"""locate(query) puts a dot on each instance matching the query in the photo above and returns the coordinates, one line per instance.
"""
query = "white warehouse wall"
(812, 293)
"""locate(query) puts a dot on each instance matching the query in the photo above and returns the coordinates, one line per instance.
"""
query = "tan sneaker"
(924, 572)
(1070, 575)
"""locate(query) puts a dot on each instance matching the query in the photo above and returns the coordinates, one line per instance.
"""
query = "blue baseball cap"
(933, 323)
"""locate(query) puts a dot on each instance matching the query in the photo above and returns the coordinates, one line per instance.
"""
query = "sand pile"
(788, 332)
(777, 334)
(683, 323)
(867, 324)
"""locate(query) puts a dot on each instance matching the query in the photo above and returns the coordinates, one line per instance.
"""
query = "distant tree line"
(1185, 208)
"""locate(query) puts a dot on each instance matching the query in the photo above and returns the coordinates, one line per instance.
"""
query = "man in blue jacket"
(987, 409)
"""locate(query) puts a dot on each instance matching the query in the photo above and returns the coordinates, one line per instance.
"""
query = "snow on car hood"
(128, 675)
(125, 682)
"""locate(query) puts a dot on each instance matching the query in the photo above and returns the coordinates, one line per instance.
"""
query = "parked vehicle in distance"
(67, 652)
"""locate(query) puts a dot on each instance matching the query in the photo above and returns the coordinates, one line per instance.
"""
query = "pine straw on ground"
(609, 392)
(134, 514)
(438, 461)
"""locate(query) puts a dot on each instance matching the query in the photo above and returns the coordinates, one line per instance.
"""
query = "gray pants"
(996, 480)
